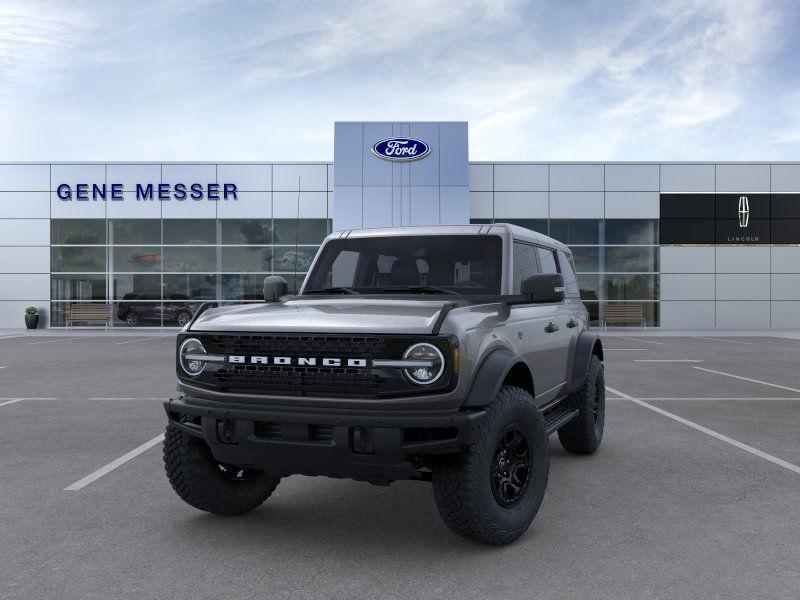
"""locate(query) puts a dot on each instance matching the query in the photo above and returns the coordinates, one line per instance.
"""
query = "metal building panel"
(25, 178)
(426, 170)
(743, 315)
(785, 286)
(743, 178)
(24, 286)
(480, 178)
(687, 286)
(453, 208)
(520, 205)
(24, 205)
(520, 178)
(576, 178)
(687, 259)
(743, 286)
(188, 173)
(129, 175)
(785, 259)
(743, 259)
(24, 232)
(376, 171)
(423, 205)
(687, 178)
(785, 178)
(347, 161)
(306, 178)
(132, 208)
(24, 259)
(246, 178)
(631, 178)
(576, 205)
(453, 150)
(632, 205)
(687, 314)
(248, 205)
(378, 206)
(785, 315)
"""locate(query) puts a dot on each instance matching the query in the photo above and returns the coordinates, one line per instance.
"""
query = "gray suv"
(444, 354)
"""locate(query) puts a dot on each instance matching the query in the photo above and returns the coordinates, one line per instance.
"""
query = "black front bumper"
(377, 446)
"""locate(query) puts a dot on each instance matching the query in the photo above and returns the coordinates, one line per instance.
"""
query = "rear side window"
(547, 260)
(525, 264)
(570, 279)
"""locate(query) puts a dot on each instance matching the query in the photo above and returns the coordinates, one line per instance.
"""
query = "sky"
(260, 81)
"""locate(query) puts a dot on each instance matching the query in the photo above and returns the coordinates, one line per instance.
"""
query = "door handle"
(551, 327)
(572, 323)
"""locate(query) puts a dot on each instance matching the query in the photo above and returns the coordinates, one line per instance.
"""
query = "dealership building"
(693, 245)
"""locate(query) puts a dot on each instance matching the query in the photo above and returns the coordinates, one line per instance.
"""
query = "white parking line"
(680, 360)
(784, 398)
(712, 433)
(131, 398)
(7, 402)
(775, 385)
(4, 367)
(700, 337)
(92, 477)
(69, 339)
(4, 401)
(624, 349)
(140, 340)
(640, 340)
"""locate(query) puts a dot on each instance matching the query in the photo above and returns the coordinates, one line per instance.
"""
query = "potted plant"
(31, 317)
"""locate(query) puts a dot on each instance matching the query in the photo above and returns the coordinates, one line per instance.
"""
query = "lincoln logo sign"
(401, 149)
(744, 211)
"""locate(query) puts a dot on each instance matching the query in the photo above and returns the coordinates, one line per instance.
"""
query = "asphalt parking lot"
(695, 492)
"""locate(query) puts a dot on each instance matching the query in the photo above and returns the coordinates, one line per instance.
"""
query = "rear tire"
(584, 433)
(132, 318)
(491, 491)
(205, 484)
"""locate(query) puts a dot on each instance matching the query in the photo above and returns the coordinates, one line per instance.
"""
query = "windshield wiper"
(333, 290)
(421, 289)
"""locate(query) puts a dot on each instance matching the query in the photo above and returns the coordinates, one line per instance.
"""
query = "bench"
(88, 312)
(623, 314)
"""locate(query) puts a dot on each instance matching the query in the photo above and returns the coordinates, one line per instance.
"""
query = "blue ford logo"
(401, 148)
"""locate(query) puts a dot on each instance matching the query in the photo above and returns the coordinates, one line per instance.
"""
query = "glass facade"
(156, 272)
(616, 260)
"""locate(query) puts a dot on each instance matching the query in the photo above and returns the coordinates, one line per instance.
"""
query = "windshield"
(442, 264)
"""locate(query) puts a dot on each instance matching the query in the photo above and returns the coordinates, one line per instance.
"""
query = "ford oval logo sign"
(401, 148)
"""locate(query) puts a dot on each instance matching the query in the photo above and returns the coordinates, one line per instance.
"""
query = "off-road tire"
(584, 433)
(197, 478)
(462, 483)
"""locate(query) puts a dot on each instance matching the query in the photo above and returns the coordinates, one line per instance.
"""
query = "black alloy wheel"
(511, 466)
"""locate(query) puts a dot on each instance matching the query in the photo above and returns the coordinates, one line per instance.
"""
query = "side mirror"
(275, 286)
(544, 288)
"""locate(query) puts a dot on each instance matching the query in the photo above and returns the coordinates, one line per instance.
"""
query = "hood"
(345, 315)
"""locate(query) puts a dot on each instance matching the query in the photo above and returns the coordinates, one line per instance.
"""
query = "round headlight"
(424, 352)
(189, 349)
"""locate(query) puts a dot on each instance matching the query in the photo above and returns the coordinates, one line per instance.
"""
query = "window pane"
(137, 314)
(547, 260)
(246, 259)
(291, 259)
(589, 287)
(299, 231)
(575, 231)
(78, 231)
(190, 287)
(137, 287)
(525, 264)
(631, 259)
(246, 231)
(242, 287)
(631, 231)
(78, 287)
(631, 287)
(92, 259)
(539, 225)
(570, 279)
(587, 259)
(190, 259)
(135, 231)
(190, 231)
(128, 259)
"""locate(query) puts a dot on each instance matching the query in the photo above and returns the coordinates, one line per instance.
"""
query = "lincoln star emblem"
(744, 211)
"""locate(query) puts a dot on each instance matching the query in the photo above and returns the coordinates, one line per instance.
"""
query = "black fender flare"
(588, 343)
(489, 376)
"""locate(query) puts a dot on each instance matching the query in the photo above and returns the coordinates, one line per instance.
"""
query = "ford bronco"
(446, 354)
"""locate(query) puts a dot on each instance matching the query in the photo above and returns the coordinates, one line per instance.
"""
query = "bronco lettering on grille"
(299, 361)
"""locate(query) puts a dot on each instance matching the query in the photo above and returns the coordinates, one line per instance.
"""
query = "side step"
(557, 417)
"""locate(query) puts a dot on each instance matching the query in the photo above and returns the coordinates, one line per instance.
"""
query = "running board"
(559, 416)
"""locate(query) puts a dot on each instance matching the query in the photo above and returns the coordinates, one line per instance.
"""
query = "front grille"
(317, 380)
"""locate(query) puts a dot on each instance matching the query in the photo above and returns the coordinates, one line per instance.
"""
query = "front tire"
(205, 484)
(491, 491)
(584, 433)
(132, 318)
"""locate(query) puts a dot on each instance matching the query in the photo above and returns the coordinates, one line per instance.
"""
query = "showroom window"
(153, 272)
(616, 260)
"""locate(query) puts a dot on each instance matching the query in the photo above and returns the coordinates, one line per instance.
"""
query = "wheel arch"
(588, 345)
(499, 367)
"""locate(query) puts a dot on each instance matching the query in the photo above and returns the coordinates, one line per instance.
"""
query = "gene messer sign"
(148, 191)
